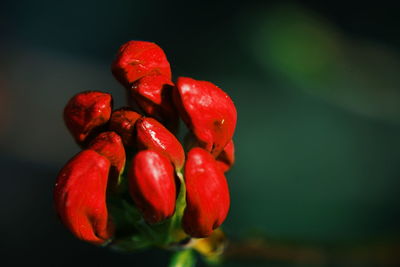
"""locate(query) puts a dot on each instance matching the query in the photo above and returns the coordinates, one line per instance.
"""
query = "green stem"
(175, 222)
(183, 258)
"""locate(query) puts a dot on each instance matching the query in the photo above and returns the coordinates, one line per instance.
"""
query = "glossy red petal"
(153, 94)
(123, 122)
(153, 135)
(227, 157)
(86, 113)
(109, 144)
(136, 59)
(152, 87)
(152, 185)
(207, 194)
(80, 197)
(208, 111)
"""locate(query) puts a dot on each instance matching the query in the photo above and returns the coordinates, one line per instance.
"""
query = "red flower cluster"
(155, 156)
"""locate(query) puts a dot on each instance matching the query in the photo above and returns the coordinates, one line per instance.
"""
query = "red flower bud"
(123, 122)
(153, 94)
(109, 144)
(207, 194)
(227, 157)
(207, 111)
(86, 112)
(153, 135)
(152, 185)
(80, 197)
(136, 59)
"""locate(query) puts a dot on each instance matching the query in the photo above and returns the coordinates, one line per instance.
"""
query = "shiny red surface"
(80, 197)
(208, 111)
(109, 144)
(86, 112)
(152, 185)
(153, 94)
(123, 122)
(207, 194)
(136, 59)
(151, 134)
(227, 157)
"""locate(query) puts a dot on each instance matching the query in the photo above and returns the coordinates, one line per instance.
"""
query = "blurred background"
(317, 88)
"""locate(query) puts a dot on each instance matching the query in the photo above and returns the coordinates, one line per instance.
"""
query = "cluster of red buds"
(134, 183)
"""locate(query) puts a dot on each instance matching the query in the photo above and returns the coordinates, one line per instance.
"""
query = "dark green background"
(316, 87)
